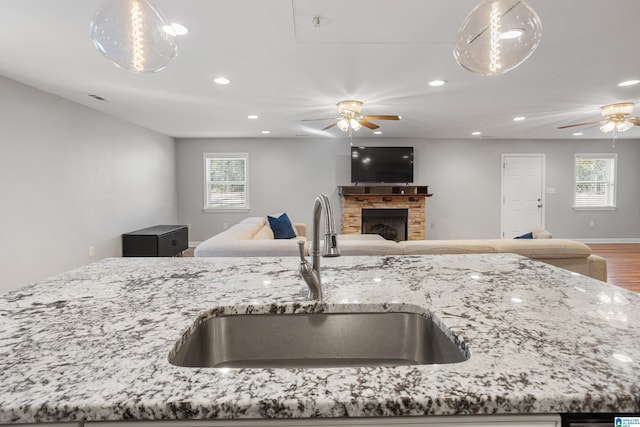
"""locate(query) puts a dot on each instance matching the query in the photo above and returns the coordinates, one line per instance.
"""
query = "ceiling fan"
(615, 118)
(349, 118)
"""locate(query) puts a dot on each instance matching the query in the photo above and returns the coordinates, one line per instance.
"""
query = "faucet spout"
(330, 247)
(311, 273)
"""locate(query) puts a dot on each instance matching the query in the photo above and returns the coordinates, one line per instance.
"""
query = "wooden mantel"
(412, 197)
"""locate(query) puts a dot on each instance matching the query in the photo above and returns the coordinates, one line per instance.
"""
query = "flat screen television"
(382, 165)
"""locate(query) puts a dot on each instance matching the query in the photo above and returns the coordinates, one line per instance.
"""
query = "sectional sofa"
(253, 237)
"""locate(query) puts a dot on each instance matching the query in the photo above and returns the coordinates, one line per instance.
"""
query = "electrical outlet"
(92, 251)
(433, 225)
(592, 223)
(188, 226)
(225, 225)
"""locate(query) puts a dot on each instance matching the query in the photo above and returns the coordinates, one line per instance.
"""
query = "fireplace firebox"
(388, 223)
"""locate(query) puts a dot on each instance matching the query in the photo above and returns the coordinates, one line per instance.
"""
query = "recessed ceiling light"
(175, 29)
(578, 133)
(266, 132)
(510, 34)
(378, 132)
(436, 83)
(252, 117)
(519, 119)
(476, 133)
(628, 83)
(222, 80)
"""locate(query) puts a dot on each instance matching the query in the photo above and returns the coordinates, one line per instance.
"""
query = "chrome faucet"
(311, 273)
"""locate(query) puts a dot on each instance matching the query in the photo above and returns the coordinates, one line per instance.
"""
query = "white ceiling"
(285, 69)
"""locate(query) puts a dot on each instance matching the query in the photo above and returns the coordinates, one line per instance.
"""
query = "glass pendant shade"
(497, 36)
(608, 126)
(343, 125)
(130, 34)
(623, 126)
(619, 126)
(355, 125)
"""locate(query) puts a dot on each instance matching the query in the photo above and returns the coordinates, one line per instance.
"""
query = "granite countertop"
(92, 344)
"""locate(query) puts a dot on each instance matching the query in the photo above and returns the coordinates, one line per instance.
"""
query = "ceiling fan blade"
(381, 117)
(330, 126)
(578, 124)
(634, 120)
(368, 124)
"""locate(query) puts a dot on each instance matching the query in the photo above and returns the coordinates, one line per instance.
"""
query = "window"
(595, 181)
(226, 181)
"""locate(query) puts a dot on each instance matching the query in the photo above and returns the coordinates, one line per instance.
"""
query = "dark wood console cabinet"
(160, 240)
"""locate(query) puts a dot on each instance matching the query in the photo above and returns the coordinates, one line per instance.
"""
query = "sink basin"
(316, 340)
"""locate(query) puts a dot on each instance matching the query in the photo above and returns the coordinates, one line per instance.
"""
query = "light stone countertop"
(92, 344)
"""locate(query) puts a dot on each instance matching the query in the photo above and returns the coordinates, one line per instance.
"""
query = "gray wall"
(464, 175)
(71, 178)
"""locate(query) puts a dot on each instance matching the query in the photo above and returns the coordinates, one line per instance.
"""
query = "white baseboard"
(193, 244)
(609, 240)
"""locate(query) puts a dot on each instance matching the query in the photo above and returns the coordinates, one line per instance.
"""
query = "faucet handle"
(301, 249)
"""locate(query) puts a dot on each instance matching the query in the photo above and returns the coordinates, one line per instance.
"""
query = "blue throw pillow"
(525, 236)
(281, 226)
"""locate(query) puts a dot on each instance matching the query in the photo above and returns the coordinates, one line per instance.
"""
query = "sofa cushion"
(249, 248)
(368, 246)
(281, 226)
(265, 233)
(435, 247)
(244, 230)
(543, 248)
(358, 236)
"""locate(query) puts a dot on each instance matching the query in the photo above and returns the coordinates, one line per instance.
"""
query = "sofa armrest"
(542, 248)
(597, 267)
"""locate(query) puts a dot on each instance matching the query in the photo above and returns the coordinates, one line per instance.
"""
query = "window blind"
(594, 180)
(226, 181)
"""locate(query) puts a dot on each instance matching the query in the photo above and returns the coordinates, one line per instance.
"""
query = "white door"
(522, 193)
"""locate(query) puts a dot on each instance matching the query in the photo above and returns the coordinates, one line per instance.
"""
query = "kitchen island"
(93, 344)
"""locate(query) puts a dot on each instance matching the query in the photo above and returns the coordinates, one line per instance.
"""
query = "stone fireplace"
(410, 199)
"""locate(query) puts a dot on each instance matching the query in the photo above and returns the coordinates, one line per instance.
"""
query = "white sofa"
(253, 237)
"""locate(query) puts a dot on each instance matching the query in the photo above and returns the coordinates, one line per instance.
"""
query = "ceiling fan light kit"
(615, 119)
(131, 34)
(497, 36)
(350, 118)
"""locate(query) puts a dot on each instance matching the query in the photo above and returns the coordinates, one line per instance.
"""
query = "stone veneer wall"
(352, 206)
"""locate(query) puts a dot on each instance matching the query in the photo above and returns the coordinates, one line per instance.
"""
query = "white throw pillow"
(541, 233)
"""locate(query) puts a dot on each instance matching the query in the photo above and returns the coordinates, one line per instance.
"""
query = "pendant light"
(130, 34)
(497, 36)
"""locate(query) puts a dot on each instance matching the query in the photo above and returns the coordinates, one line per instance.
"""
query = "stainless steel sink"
(316, 340)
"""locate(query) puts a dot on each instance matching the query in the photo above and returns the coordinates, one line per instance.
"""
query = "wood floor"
(623, 263)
